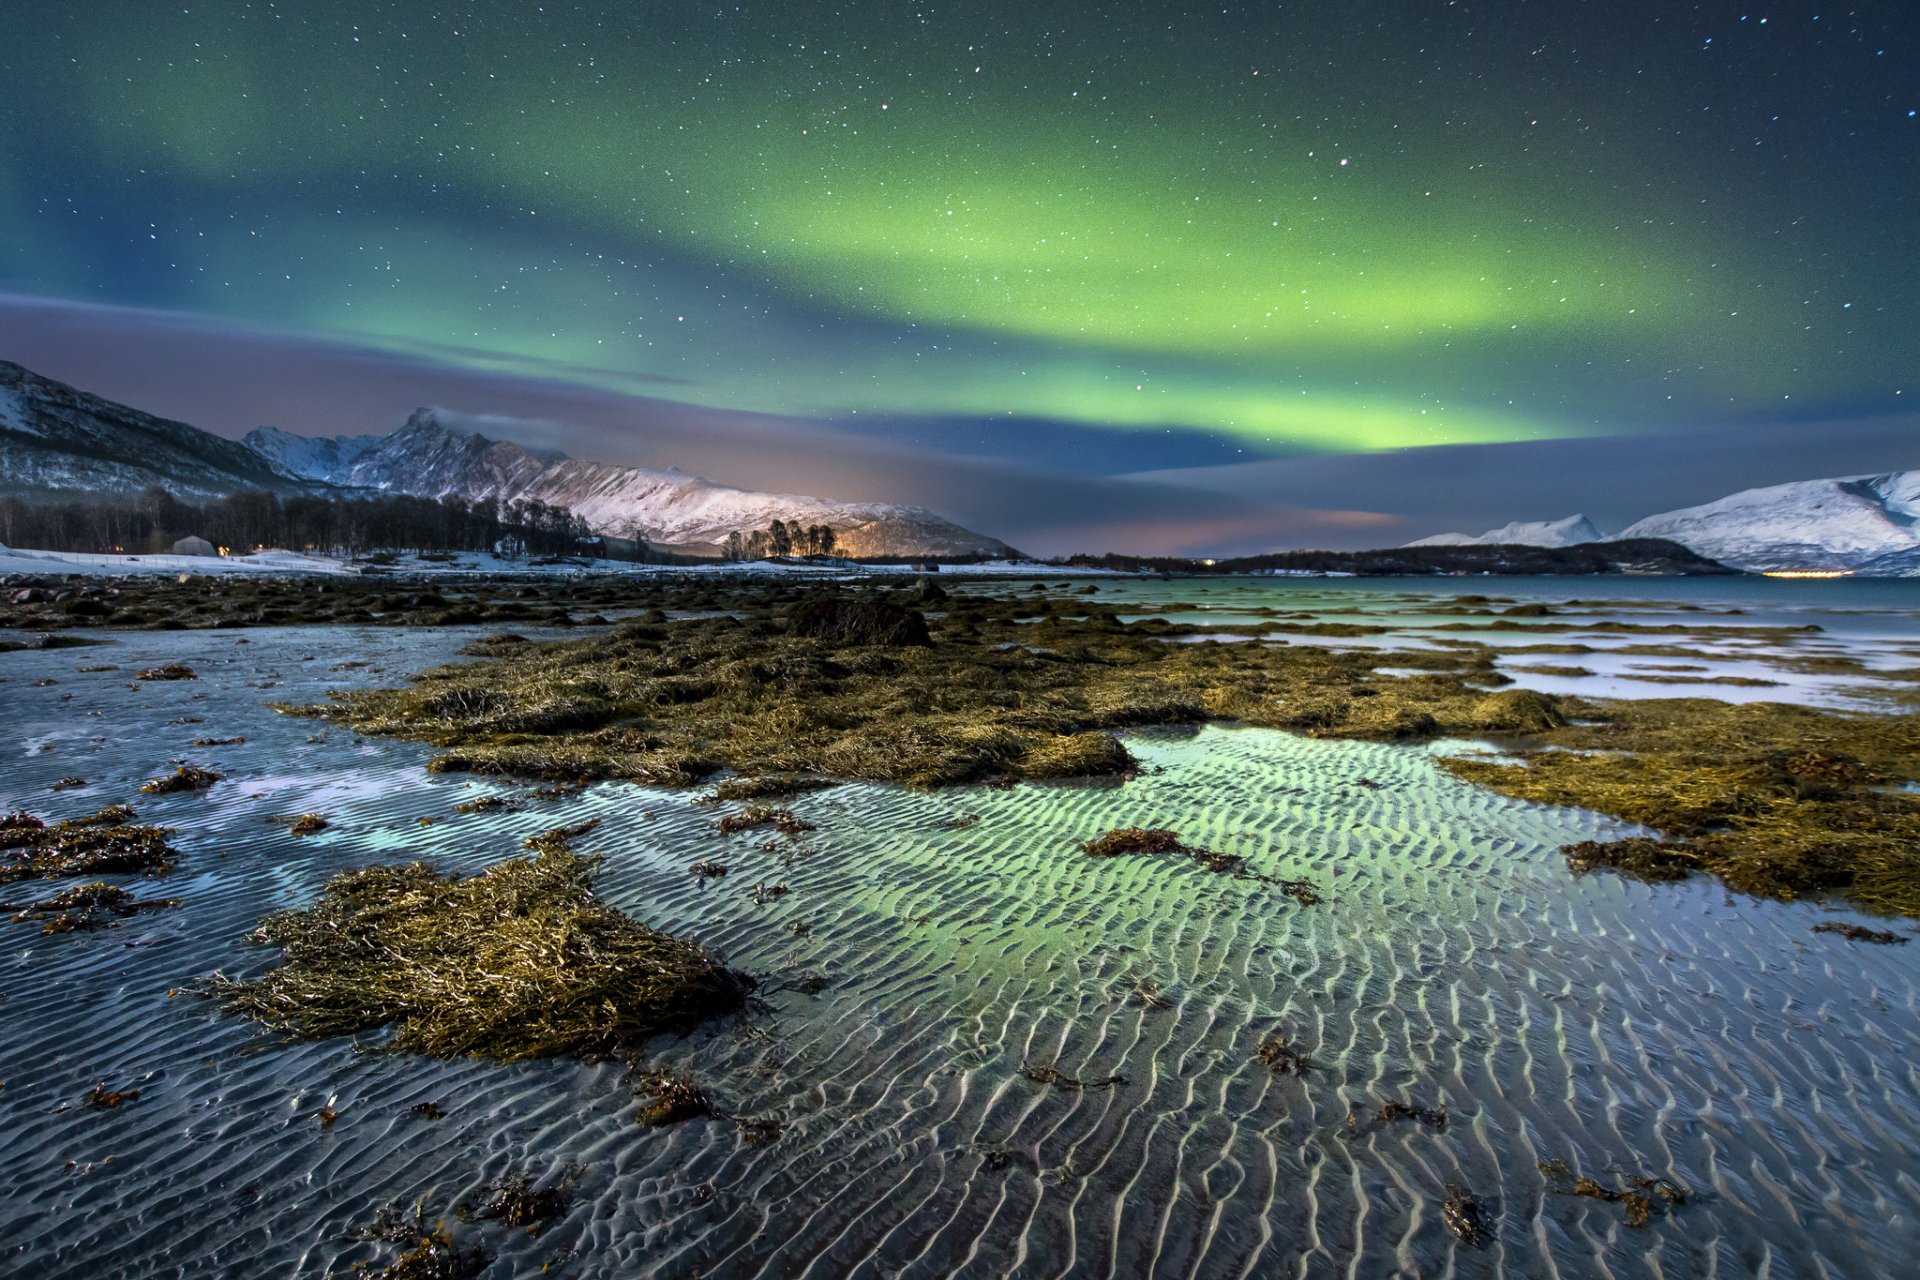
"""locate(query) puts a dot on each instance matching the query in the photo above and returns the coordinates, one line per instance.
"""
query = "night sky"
(1087, 276)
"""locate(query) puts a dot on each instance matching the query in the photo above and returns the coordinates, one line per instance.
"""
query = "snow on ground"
(281, 563)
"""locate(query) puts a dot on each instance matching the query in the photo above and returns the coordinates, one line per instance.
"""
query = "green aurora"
(1302, 228)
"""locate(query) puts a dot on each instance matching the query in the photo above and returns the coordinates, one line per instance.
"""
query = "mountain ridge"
(433, 455)
(57, 438)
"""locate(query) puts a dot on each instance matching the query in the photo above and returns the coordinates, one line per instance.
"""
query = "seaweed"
(186, 778)
(1049, 1073)
(69, 783)
(755, 816)
(1159, 840)
(1643, 1196)
(519, 1201)
(1434, 1118)
(103, 843)
(1639, 857)
(101, 1098)
(673, 1099)
(1123, 840)
(517, 962)
(557, 839)
(765, 893)
(1460, 1212)
(1777, 801)
(1282, 1058)
(433, 1256)
(86, 907)
(1851, 932)
(707, 869)
(763, 1131)
(775, 787)
(1147, 991)
(168, 671)
(1304, 892)
(842, 621)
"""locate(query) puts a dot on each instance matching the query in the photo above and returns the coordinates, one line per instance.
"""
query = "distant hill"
(55, 438)
(433, 455)
(1570, 532)
(1623, 556)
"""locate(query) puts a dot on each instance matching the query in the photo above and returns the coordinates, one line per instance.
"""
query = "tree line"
(152, 521)
(781, 538)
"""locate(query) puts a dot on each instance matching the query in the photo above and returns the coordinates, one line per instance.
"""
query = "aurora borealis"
(1085, 239)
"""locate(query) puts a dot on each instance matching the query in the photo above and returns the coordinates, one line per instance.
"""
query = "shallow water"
(1666, 1030)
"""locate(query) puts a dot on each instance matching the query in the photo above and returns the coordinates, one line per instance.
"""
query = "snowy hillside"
(54, 437)
(1843, 523)
(434, 455)
(1572, 531)
(317, 458)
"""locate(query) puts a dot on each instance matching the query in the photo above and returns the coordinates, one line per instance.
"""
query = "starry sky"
(1149, 277)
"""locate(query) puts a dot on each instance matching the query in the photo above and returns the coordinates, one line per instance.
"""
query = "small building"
(194, 546)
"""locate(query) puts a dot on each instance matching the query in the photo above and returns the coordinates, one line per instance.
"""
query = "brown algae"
(1776, 800)
(186, 778)
(519, 961)
(103, 843)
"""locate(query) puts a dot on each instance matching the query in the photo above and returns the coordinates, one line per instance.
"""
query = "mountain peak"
(1569, 531)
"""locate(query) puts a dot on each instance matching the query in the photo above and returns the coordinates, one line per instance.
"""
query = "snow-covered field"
(280, 563)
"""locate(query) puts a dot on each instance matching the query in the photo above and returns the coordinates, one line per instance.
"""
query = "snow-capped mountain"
(434, 455)
(54, 437)
(315, 457)
(1569, 532)
(1863, 523)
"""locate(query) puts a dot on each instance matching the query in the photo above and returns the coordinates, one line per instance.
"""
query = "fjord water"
(1623, 1028)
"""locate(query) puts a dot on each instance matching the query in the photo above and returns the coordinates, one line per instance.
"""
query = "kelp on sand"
(517, 962)
(1777, 800)
(1005, 690)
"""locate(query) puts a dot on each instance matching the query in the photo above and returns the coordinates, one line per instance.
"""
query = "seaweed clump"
(1460, 1212)
(1051, 1074)
(785, 821)
(1158, 840)
(1777, 801)
(844, 621)
(1851, 932)
(1642, 1196)
(433, 1255)
(517, 962)
(169, 671)
(103, 843)
(86, 907)
(1434, 1118)
(1123, 840)
(517, 1201)
(1005, 690)
(1639, 857)
(1282, 1058)
(672, 1099)
(186, 778)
